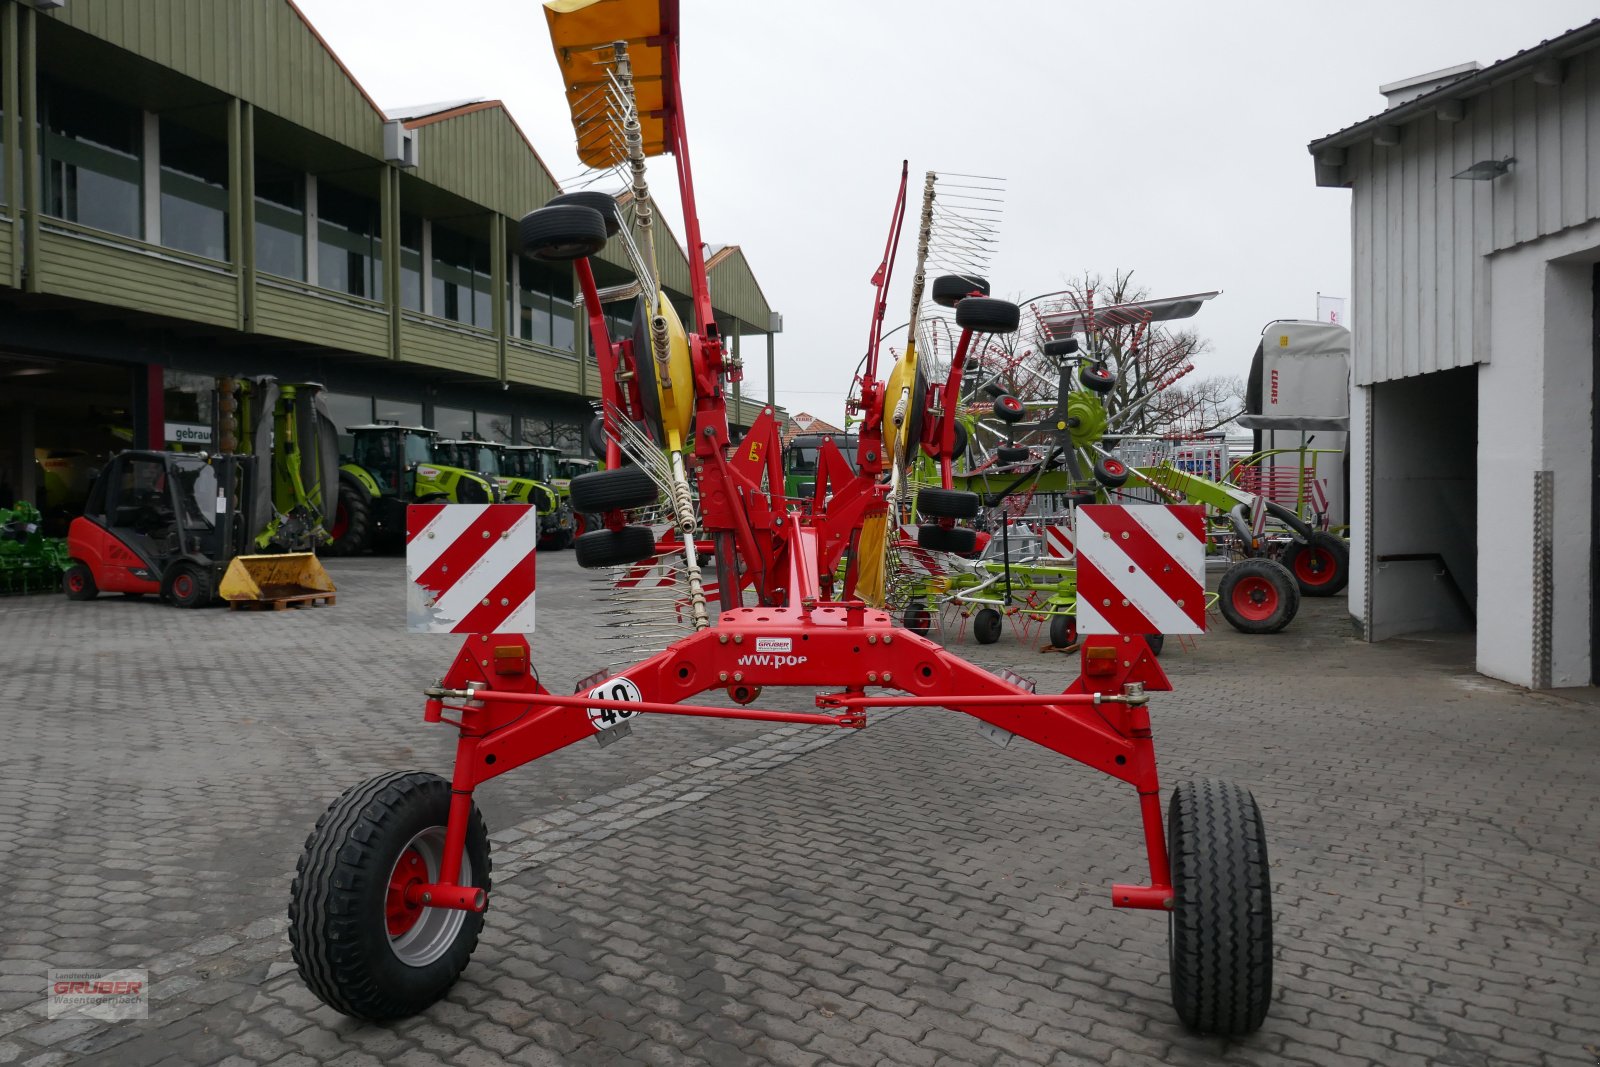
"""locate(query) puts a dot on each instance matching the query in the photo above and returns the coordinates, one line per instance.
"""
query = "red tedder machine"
(389, 896)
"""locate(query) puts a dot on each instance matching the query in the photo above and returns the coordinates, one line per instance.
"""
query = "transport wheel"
(1156, 642)
(623, 488)
(986, 626)
(595, 434)
(950, 289)
(1321, 566)
(1010, 454)
(1008, 408)
(1063, 631)
(1097, 377)
(563, 232)
(958, 442)
(361, 946)
(1258, 596)
(1219, 933)
(1061, 346)
(603, 203)
(615, 548)
(985, 314)
(79, 582)
(957, 539)
(1111, 473)
(188, 586)
(352, 520)
(917, 618)
(947, 503)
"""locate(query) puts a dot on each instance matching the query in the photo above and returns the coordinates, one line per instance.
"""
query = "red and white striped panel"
(919, 560)
(469, 568)
(1258, 517)
(1141, 569)
(1058, 541)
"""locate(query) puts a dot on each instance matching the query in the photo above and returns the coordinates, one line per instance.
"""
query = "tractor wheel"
(983, 314)
(189, 586)
(1061, 346)
(957, 539)
(1156, 642)
(1258, 596)
(1321, 566)
(79, 582)
(1111, 473)
(917, 618)
(1014, 454)
(1219, 934)
(935, 503)
(622, 489)
(563, 232)
(604, 203)
(986, 626)
(1097, 377)
(1063, 631)
(615, 548)
(1008, 408)
(950, 289)
(352, 520)
(361, 946)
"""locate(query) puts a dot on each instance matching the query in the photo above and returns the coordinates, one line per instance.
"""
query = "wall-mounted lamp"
(1486, 170)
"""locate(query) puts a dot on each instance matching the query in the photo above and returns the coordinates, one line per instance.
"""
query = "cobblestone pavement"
(720, 892)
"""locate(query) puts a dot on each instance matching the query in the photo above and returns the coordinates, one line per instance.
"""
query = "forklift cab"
(391, 454)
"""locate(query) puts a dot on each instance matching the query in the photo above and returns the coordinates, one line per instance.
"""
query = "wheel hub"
(400, 914)
(1255, 598)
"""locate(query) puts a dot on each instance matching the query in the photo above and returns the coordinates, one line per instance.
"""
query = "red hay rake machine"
(390, 893)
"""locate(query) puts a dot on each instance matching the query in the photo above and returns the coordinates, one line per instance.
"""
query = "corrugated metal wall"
(734, 291)
(1419, 237)
(480, 155)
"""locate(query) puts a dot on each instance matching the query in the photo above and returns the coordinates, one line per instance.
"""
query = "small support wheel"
(604, 203)
(1063, 631)
(917, 618)
(948, 290)
(563, 232)
(1219, 933)
(79, 582)
(620, 489)
(189, 586)
(957, 539)
(1156, 642)
(1321, 566)
(362, 945)
(1258, 596)
(614, 548)
(985, 314)
(986, 626)
(1097, 377)
(1111, 473)
(1014, 454)
(1008, 408)
(935, 503)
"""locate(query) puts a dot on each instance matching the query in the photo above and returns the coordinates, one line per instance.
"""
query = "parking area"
(726, 892)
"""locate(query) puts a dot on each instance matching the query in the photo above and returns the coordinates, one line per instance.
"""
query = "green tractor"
(391, 466)
(520, 476)
(568, 468)
(538, 465)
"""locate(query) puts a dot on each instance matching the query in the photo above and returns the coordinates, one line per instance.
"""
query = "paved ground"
(711, 892)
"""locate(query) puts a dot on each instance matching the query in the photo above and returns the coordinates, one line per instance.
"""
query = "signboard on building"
(188, 433)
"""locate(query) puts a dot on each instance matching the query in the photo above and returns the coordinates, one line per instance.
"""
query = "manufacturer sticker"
(774, 644)
(621, 690)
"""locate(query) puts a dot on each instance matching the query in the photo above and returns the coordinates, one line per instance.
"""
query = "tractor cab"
(529, 476)
(569, 467)
(803, 454)
(469, 454)
(390, 454)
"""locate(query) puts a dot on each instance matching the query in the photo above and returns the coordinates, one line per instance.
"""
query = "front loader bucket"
(276, 581)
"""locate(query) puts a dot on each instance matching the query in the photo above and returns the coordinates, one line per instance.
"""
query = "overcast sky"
(1165, 137)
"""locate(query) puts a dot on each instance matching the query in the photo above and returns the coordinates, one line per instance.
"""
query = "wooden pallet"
(301, 600)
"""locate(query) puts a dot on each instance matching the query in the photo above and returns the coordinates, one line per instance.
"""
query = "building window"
(494, 427)
(401, 412)
(411, 262)
(349, 248)
(461, 279)
(619, 320)
(347, 410)
(280, 221)
(544, 304)
(452, 423)
(92, 159)
(194, 191)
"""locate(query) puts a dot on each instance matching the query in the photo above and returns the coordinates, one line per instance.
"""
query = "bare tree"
(554, 432)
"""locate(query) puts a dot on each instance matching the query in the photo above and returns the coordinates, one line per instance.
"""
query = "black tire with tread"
(1287, 588)
(1063, 631)
(957, 539)
(986, 626)
(86, 590)
(1220, 928)
(1061, 346)
(356, 503)
(1334, 546)
(917, 618)
(1097, 377)
(1111, 473)
(336, 901)
(614, 548)
(1156, 642)
(948, 290)
(621, 489)
(199, 592)
(985, 314)
(603, 204)
(563, 232)
(1009, 454)
(1008, 408)
(936, 503)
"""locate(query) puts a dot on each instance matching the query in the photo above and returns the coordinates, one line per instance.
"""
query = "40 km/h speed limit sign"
(621, 690)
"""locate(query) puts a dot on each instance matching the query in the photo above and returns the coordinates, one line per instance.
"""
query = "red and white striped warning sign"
(470, 568)
(1141, 569)
(1058, 541)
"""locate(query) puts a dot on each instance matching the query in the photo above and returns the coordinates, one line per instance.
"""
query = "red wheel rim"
(341, 522)
(1255, 598)
(75, 582)
(398, 915)
(1314, 566)
(1011, 403)
(1113, 467)
(182, 586)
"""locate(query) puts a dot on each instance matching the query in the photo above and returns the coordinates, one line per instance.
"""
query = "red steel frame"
(799, 633)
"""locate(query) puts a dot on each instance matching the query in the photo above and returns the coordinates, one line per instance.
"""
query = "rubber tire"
(595, 434)
(603, 203)
(958, 442)
(1061, 346)
(917, 618)
(986, 626)
(1283, 583)
(984, 314)
(86, 590)
(614, 548)
(1156, 642)
(1078, 500)
(336, 901)
(562, 233)
(357, 505)
(950, 289)
(1219, 933)
(933, 503)
(621, 489)
(1008, 408)
(1335, 547)
(1111, 473)
(1097, 378)
(957, 539)
(1063, 631)
(194, 583)
(1014, 455)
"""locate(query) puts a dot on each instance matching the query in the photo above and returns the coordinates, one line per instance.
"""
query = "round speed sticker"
(621, 690)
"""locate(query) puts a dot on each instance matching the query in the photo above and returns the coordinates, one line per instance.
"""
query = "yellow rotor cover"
(902, 379)
(677, 400)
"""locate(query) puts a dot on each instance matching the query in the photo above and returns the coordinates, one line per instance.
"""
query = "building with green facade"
(194, 189)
